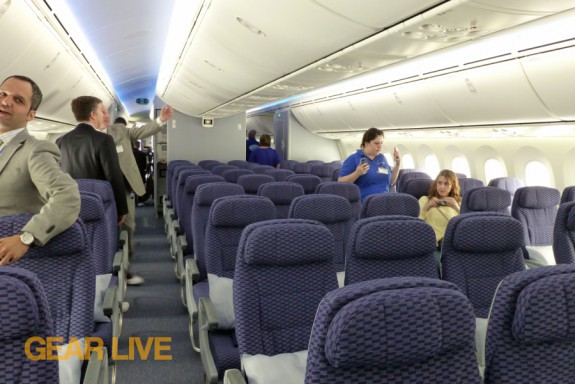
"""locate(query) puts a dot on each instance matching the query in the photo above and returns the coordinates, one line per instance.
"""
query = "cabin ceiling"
(243, 54)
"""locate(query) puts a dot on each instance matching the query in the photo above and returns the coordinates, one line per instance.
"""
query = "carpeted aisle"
(155, 311)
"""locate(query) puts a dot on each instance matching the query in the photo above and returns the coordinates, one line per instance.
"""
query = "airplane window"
(493, 169)
(407, 161)
(432, 165)
(536, 173)
(460, 165)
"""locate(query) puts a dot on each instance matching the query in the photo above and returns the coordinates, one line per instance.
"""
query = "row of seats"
(396, 195)
(86, 300)
(397, 330)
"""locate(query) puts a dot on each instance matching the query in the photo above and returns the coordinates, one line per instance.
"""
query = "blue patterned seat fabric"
(349, 191)
(536, 209)
(227, 219)
(259, 169)
(220, 169)
(67, 274)
(93, 217)
(279, 174)
(104, 190)
(308, 182)
(170, 173)
(390, 246)
(531, 329)
(403, 177)
(292, 259)
(281, 194)
(251, 183)
(323, 171)
(467, 183)
(177, 182)
(288, 164)
(180, 204)
(486, 199)
(231, 175)
(510, 184)
(385, 204)
(396, 330)
(208, 164)
(205, 195)
(302, 168)
(416, 187)
(568, 194)
(334, 212)
(564, 234)
(480, 249)
(25, 313)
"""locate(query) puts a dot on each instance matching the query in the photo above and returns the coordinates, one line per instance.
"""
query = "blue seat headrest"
(207, 193)
(545, 311)
(571, 219)
(376, 230)
(20, 313)
(239, 211)
(286, 242)
(327, 209)
(281, 192)
(193, 182)
(537, 197)
(396, 327)
(475, 233)
(488, 199)
(91, 207)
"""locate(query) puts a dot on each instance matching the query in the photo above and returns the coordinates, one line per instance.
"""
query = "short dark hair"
(265, 140)
(252, 134)
(83, 106)
(370, 135)
(36, 92)
(120, 120)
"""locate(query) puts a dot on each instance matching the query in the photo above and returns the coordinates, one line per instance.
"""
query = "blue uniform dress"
(376, 180)
(265, 156)
(251, 144)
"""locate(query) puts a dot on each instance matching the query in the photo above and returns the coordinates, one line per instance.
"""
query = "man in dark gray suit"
(90, 154)
(31, 180)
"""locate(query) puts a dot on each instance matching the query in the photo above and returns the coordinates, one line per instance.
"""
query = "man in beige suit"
(123, 138)
(31, 180)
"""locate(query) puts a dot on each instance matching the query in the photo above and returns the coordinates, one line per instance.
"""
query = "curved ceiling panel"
(37, 52)
(551, 73)
(494, 94)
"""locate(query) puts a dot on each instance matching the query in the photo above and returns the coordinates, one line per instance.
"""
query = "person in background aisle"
(368, 168)
(89, 154)
(142, 162)
(31, 180)
(123, 138)
(251, 143)
(265, 155)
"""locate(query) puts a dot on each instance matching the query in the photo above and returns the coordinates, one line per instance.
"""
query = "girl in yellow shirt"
(441, 203)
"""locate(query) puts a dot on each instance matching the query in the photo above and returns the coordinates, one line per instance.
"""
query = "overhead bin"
(551, 76)
(495, 94)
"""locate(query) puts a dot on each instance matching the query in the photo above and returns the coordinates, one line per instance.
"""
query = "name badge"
(382, 170)
(119, 149)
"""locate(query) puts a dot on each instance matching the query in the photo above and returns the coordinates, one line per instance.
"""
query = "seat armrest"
(192, 270)
(176, 227)
(110, 301)
(117, 263)
(183, 244)
(208, 362)
(234, 376)
(97, 368)
(210, 318)
(123, 238)
(480, 335)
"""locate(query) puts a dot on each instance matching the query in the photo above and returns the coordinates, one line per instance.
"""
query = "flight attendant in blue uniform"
(368, 168)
